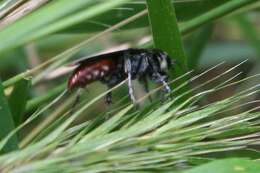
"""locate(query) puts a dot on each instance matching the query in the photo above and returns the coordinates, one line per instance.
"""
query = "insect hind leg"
(128, 71)
(130, 87)
(112, 81)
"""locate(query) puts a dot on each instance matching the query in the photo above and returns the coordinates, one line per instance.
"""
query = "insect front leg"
(156, 76)
(161, 79)
(128, 71)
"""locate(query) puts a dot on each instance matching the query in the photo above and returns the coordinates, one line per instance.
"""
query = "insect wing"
(98, 57)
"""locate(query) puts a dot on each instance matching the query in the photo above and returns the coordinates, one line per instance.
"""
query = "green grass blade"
(166, 34)
(76, 18)
(51, 20)
(18, 99)
(30, 24)
(6, 122)
(139, 146)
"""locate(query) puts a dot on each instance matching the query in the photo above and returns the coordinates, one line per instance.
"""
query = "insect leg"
(108, 98)
(130, 86)
(142, 66)
(127, 66)
(144, 81)
(112, 81)
(161, 79)
(141, 70)
(158, 77)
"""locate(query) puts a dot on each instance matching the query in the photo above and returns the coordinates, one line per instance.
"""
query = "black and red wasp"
(112, 68)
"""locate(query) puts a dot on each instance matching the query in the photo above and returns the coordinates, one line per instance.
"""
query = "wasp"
(115, 67)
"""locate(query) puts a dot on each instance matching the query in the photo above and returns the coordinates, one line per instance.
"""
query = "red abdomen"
(89, 72)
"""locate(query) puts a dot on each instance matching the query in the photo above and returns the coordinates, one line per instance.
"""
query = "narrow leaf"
(55, 16)
(166, 34)
(17, 100)
(6, 122)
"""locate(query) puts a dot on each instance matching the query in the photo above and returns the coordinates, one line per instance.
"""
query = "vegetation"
(208, 123)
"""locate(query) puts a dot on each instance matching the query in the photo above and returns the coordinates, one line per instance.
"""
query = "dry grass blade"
(20, 11)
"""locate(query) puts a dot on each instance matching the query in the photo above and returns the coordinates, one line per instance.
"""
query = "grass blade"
(52, 20)
(166, 34)
(6, 122)
(21, 90)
